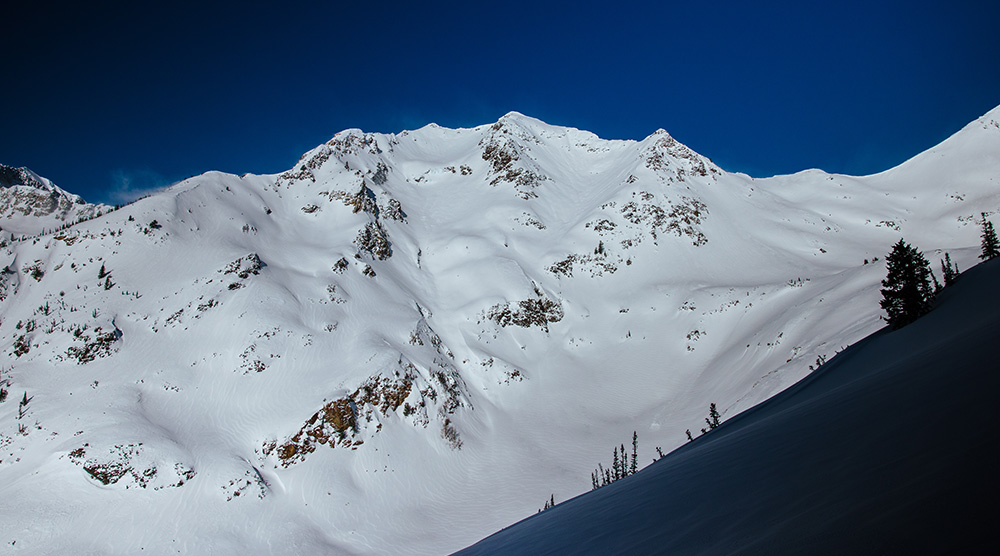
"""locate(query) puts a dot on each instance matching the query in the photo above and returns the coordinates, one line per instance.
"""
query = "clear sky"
(108, 99)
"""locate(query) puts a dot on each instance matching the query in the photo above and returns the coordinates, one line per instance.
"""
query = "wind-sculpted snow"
(410, 340)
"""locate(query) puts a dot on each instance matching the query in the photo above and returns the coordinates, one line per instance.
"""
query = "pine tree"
(907, 293)
(990, 244)
(635, 453)
(601, 476)
(948, 270)
(713, 418)
(937, 285)
(615, 465)
(102, 273)
(621, 466)
(688, 433)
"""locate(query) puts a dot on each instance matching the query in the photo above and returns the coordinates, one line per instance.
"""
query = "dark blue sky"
(107, 99)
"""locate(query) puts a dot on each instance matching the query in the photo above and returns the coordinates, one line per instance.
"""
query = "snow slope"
(410, 340)
(886, 449)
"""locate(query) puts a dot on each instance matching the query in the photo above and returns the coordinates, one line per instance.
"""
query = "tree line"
(909, 288)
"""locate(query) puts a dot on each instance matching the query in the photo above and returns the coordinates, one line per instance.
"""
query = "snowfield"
(885, 449)
(409, 341)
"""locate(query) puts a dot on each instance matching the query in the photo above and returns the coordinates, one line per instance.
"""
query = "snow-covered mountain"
(884, 450)
(31, 204)
(410, 340)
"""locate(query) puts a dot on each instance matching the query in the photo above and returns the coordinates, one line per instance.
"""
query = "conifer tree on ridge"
(990, 243)
(949, 270)
(907, 293)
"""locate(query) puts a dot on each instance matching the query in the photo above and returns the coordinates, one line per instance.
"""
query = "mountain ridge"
(480, 311)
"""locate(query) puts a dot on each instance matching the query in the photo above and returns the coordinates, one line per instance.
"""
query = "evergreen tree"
(621, 466)
(990, 244)
(102, 273)
(713, 418)
(937, 285)
(906, 290)
(949, 271)
(635, 453)
(688, 433)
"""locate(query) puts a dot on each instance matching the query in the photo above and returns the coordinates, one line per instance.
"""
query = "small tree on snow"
(22, 406)
(621, 467)
(990, 243)
(713, 420)
(633, 466)
(949, 270)
(906, 290)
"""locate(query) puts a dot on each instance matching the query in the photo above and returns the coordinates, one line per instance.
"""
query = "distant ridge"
(30, 203)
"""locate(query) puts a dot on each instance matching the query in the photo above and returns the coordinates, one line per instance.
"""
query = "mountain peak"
(514, 116)
(12, 177)
(30, 203)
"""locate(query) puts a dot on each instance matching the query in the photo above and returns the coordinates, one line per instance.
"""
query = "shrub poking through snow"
(100, 346)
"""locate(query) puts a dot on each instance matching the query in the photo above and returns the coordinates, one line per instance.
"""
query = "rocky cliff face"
(30, 203)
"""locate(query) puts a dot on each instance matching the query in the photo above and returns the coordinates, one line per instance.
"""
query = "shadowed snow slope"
(889, 448)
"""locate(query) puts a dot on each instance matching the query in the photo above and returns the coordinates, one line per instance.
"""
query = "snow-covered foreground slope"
(408, 341)
(889, 448)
